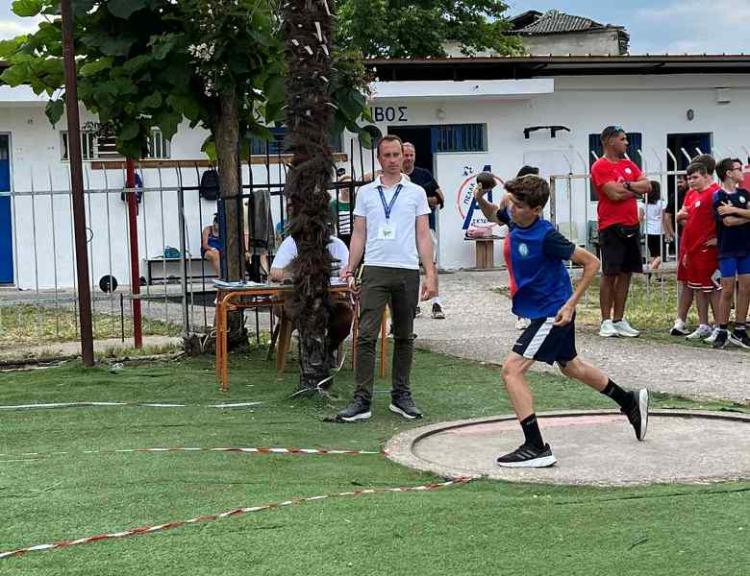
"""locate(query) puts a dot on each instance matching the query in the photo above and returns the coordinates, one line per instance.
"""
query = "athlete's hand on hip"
(564, 315)
(429, 287)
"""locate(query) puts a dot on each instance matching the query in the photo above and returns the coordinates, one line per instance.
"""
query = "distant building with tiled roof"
(559, 34)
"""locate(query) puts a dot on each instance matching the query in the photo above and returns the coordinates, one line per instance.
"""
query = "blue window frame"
(459, 138)
(278, 145)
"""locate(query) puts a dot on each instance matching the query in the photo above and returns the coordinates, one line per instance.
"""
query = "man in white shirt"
(340, 314)
(391, 222)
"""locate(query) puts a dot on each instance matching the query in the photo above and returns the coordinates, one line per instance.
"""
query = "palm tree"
(307, 33)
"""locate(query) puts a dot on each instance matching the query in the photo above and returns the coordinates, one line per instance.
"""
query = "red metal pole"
(135, 275)
(76, 184)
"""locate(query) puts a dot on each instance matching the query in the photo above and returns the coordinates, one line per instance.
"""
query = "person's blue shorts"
(731, 267)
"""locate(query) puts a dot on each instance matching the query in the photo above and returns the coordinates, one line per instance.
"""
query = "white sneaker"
(700, 332)
(712, 337)
(522, 323)
(679, 328)
(624, 329)
(607, 329)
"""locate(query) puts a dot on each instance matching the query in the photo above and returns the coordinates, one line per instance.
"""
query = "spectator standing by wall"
(435, 200)
(732, 210)
(618, 182)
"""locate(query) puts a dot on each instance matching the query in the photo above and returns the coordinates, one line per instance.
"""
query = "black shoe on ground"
(676, 331)
(638, 414)
(527, 456)
(437, 312)
(405, 407)
(741, 337)
(358, 409)
(417, 312)
(721, 340)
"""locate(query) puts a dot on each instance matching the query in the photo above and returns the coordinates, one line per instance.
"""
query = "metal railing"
(176, 293)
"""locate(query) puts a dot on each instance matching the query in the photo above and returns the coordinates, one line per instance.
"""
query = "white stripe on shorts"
(539, 338)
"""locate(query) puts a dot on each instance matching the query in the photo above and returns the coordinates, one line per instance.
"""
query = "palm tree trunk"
(307, 28)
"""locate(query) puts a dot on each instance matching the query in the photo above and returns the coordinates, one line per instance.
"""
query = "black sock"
(623, 398)
(531, 431)
(723, 327)
(739, 327)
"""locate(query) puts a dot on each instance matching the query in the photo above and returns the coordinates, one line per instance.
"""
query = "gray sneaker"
(404, 406)
(624, 329)
(358, 409)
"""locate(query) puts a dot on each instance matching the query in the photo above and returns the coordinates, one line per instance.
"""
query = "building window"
(459, 138)
(261, 147)
(98, 147)
(596, 150)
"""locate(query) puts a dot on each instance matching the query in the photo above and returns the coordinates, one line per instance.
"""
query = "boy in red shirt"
(700, 256)
(618, 182)
(685, 299)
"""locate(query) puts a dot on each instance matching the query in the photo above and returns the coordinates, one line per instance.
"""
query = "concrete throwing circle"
(591, 447)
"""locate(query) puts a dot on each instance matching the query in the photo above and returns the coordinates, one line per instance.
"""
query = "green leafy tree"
(152, 63)
(395, 29)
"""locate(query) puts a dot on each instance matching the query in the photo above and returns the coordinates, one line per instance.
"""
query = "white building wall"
(652, 105)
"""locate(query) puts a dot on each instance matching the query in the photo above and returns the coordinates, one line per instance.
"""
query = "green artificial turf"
(484, 527)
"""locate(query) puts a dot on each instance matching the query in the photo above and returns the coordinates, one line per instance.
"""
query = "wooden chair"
(281, 339)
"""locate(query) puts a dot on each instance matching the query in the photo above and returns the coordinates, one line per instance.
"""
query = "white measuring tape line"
(233, 449)
(227, 514)
(51, 406)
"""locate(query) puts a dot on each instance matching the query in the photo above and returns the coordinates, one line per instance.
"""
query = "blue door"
(6, 232)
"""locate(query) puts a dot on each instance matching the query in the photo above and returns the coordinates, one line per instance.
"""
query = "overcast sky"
(655, 26)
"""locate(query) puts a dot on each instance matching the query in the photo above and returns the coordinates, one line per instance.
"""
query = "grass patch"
(483, 528)
(34, 324)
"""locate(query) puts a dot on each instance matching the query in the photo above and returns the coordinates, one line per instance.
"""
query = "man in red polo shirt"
(618, 183)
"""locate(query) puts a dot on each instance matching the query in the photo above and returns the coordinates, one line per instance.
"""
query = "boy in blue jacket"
(541, 290)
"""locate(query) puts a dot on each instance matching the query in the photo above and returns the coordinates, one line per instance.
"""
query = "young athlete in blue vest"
(542, 291)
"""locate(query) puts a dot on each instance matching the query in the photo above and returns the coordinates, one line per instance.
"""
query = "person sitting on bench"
(211, 245)
(340, 315)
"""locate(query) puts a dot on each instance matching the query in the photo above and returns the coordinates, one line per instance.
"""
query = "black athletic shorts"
(657, 246)
(621, 249)
(547, 343)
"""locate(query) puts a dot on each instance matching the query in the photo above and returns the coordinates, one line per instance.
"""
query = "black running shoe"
(527, 456)
(721, 340)
(404, 406)
(638, 414)
(741, 339)
(358, 409)
(678, 331)
(437, 312)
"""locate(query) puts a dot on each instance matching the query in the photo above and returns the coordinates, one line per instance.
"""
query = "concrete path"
(480, 326)
(596, 448)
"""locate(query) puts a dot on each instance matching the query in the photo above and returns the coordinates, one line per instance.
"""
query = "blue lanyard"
(387, 208)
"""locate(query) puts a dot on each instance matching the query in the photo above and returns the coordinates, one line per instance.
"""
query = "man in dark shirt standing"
(435, 200)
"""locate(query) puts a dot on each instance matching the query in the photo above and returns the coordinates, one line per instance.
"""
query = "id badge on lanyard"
(387, 231)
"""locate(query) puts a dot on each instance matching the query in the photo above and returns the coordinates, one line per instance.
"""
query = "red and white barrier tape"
(51, 406)
(227, 514)
(235, 449)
